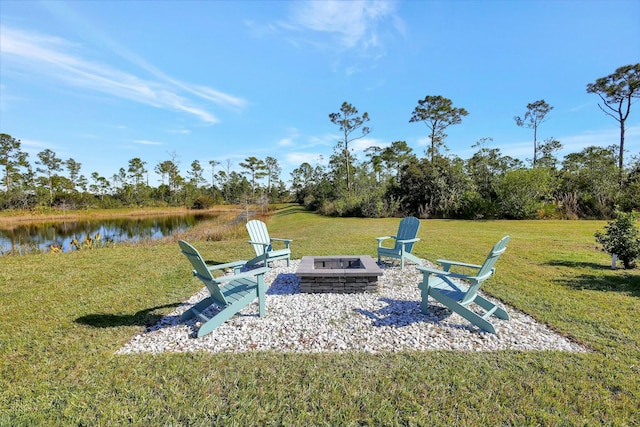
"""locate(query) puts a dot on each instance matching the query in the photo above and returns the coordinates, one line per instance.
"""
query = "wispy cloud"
(602, 138)
(355, 23)
(54, 58)
(32, 147)
(360, 145)
(344, 26)
(146, 142)
(298, 158)
(290, 139)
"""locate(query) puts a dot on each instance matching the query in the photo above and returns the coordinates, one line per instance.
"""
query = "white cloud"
(326, 140)
(290, 139)
(352, 33)
(55, 58)
(359, 145)
(146, 142)
(33, 147)
(180, 131)
(286, 142)
(297, 159)
(354, 22)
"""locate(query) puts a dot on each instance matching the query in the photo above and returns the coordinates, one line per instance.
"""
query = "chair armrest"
(286, 242)
(226, 265)
(436, 272)
(380, 239)
(408, 240)
(281, 240)
(266, 245)
(251, 273)
(448, 264)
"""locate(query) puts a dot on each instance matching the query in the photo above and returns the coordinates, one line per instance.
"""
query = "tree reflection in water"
(69, 235)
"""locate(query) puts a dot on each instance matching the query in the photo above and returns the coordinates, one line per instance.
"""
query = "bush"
(203, 202)
(622, 237)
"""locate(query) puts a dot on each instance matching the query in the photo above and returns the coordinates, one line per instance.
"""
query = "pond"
(69, 235)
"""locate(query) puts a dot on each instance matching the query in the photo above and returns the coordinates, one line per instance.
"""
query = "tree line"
(54, 182)
(391, 180)
(593, 183)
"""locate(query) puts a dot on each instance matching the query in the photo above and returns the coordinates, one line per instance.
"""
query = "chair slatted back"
(258, 233)
(408, 229)
(486, 270)
(202, 272)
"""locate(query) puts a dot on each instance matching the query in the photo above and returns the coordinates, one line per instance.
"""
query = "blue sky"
(103, 82)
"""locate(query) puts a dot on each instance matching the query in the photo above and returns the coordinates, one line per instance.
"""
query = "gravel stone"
(387, 321)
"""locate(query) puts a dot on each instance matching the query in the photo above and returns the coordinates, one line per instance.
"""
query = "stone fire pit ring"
(338, 274)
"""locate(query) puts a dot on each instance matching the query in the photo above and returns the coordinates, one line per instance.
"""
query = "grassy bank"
(63, 316)
(10, 218)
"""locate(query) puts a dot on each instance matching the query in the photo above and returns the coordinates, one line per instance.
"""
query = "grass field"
(62, 317)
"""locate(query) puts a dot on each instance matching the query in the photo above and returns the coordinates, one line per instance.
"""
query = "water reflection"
(44, 235)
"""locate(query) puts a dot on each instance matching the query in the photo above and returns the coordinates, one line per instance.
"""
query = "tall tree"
(302, 181)
(50, 165)
(195, 174)
(438, 113)
(100, 185)
(73, 168)
(590, 176)
(536, 114)
(396, 155)
(547, 149)
(162, 169)
(12, 158)
(273, 170)
(256, 168)
(136, 170)
(213, 165)
(375, 158)
(616, 91)
(348, 122)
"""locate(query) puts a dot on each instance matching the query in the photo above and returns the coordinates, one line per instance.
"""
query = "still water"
(65, 234)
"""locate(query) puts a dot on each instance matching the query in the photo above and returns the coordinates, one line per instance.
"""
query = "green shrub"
(203, 202)
(622, 237)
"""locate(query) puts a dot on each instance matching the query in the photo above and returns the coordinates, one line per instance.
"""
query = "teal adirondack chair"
(263, 244)
(239, 290)
(404, 241)
(458, 297)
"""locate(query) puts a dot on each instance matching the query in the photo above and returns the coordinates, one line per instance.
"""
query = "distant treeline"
(487, 185)
(390, 182)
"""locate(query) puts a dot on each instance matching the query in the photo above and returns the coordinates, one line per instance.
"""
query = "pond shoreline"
(7, 219)
(68, 232)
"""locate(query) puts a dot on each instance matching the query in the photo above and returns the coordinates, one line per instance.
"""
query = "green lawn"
(62, 317)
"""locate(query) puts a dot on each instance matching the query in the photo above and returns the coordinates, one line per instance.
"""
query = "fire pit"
(338, 274)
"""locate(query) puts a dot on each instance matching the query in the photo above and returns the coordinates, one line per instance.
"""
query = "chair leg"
(261, 296)
(463, 311)
(424, 294)
(499, 312)
(216, 321)
(476, 319)
(227, 313)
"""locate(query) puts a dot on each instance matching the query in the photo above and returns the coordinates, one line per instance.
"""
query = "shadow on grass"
(579, 264)
(609, 283)
(146, 318)
(290, 210)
